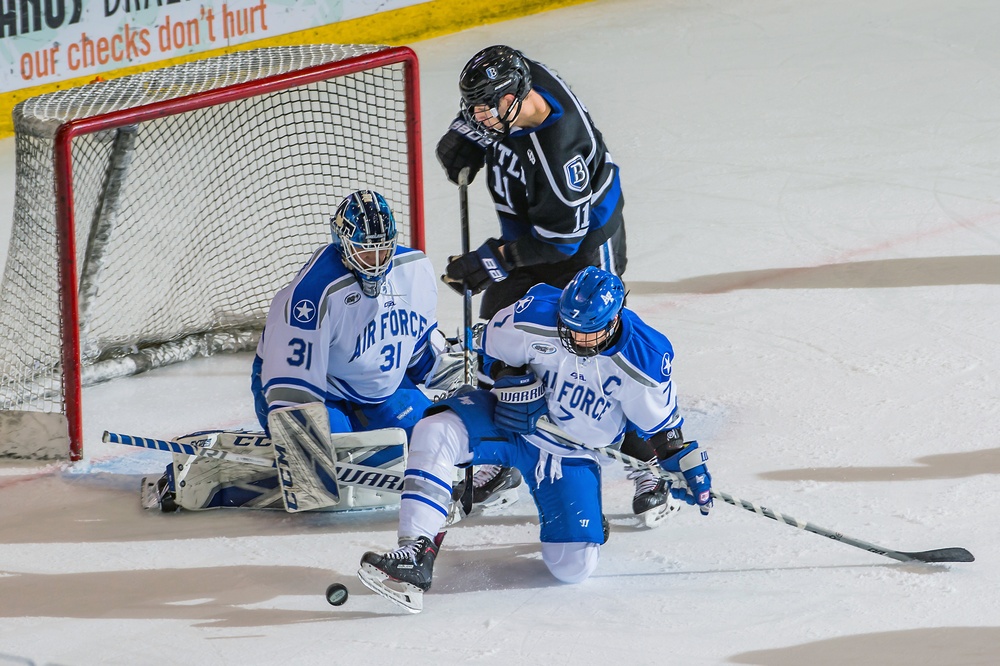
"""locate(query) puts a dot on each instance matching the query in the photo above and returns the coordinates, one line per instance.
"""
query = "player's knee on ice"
(571, 562)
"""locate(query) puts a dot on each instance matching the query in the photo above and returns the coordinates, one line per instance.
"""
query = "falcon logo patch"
(523, 304)
(577, 176)
(666, 367)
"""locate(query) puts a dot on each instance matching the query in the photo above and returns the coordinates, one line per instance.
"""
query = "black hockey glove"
(476, 270)
(462, 146)
(660, 445)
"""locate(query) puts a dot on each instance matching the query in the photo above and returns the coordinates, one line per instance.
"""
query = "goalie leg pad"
(203, 482)
(206, 482)
(307, 466)
(218, 473)
(383, 449)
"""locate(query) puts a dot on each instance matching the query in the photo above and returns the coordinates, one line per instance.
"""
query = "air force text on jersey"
(390, 325)
(579, 397)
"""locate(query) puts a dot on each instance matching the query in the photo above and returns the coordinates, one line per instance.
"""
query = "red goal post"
(157, 214)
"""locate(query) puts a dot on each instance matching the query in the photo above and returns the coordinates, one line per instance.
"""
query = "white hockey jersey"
(325, 340)
(593, 399)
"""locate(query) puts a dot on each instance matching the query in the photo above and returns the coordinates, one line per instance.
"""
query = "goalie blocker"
(302, 467)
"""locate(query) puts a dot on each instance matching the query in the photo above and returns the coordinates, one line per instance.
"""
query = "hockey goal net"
(157, 214)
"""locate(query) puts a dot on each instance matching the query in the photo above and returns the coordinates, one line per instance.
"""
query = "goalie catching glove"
(691, 462)
(520, 402)
(441, 366)
(476, 270)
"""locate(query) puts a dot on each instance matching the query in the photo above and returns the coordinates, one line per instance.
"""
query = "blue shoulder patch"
(312, 283)
(645, 348)
(539, 306)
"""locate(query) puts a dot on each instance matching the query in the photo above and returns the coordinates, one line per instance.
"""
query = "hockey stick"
(937, 555)
(463, 207)
(252, 441)
(470, 374)
(185, 449)
(347, 473)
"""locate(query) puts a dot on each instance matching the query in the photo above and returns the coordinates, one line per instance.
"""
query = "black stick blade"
(942, 555)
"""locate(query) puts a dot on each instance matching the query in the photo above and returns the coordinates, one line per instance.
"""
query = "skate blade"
(148, 494)
(655, 516)
(409, 597)
(495, 504)
(456, 514)
(498, 500)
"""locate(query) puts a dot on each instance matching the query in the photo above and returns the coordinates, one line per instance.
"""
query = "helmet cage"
(369, 259)
(494, 132)
(569, 340)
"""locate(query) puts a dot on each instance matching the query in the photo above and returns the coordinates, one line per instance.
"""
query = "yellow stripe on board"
(397, 27)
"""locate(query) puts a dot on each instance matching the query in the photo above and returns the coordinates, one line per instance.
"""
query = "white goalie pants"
(439, 443)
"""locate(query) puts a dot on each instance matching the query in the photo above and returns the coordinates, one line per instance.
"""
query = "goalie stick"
(935, 556)
(347, 473)
(185, 449)
(369, 439)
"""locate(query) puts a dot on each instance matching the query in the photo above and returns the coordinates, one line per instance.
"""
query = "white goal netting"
(206, 186)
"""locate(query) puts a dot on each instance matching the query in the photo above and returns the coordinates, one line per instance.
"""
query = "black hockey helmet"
(490, 74)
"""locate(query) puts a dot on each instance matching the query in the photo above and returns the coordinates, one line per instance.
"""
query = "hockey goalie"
(349, 356)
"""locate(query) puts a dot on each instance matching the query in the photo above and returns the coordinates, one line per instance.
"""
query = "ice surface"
(812, 213)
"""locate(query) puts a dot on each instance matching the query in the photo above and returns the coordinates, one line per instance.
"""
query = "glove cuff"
(520, 394)
(492, 259)
(688, 458)
(470, 133)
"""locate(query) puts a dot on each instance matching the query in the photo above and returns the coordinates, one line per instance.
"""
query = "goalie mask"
(366, 232)
(589, 311)
(490, 74)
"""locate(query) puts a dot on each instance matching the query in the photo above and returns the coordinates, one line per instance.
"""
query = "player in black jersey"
(557, 194)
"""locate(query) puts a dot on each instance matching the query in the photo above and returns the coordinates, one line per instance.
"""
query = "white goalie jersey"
(593, 399)
(325, 340)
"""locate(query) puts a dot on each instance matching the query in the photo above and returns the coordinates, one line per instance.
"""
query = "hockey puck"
(336, 594)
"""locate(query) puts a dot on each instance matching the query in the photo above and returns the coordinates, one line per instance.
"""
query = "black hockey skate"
(402, 575)
(652, 501)
(493, 487)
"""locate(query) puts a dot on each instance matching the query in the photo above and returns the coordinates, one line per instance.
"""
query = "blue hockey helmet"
(490, 74)
(365, 229)
(588, 311)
